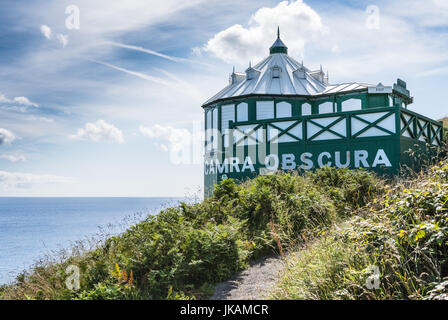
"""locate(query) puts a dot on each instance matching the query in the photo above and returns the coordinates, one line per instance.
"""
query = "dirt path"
(253, 283)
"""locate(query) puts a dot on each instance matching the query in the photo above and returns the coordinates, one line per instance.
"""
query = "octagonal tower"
(280, 115)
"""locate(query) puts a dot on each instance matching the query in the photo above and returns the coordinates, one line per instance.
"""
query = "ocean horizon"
(33, 227)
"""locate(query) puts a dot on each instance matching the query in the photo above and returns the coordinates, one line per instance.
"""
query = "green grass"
(404, 234)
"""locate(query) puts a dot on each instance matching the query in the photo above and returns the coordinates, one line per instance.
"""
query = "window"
(351, 104)
(265, 110)
(326, 107)
(306, 109)
(215, 128)
(242, 112)
(284, 110)
(276, 72)
(208, 121)
(215, 118)
(227, 114)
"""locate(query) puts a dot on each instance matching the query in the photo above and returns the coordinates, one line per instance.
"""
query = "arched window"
(227, 114)
(208, 133)
(242, 112)
(208, 119)
(326, 107)
(215, 128)
(306, 109)
(215, 118)
(351, 104)
(265, 110)
(283, 110)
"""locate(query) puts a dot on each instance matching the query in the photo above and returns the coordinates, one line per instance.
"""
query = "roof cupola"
(278, 46)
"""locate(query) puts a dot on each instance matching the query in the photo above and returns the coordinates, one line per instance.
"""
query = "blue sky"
(99, 110)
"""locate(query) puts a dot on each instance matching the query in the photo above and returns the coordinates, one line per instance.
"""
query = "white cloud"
(41, 119)
(101, 131)
(13, 158)
(177, 139)
(46, 31)
(337, 38)
(3, 99)
(149, 51)
(135, 73)
(6, 136)
(24, 101)
(10, 180)
(237, 44)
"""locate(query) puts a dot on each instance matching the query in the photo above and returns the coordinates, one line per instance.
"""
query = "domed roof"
(280, 74)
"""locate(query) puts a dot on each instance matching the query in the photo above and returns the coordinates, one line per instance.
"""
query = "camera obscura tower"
(280, 115)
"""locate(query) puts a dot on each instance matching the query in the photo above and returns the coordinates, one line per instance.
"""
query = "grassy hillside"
(338, 224)
(184, 251)
(403, 236)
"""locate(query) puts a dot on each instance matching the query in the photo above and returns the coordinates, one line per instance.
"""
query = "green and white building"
(280, 115)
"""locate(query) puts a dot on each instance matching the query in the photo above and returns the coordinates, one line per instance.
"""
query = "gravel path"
(253, 283)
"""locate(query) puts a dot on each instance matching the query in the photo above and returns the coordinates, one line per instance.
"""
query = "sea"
(34, 228)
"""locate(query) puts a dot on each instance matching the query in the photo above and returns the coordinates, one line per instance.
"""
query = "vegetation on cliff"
(401, 239)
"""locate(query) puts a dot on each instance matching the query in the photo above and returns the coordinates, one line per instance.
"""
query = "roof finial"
(278, 46)
(250, 64)
(233, 71)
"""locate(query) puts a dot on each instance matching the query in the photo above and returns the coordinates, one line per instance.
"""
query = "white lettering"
(320, 158)
(268, 162)
(248, 164)
(307, 163)
(224, 167)
(337, 159)
(212, 167)
(288, 162)
(361, 157)
(381, 158)
(235, 163)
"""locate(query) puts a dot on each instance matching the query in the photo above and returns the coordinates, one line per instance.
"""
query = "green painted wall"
(390, 149)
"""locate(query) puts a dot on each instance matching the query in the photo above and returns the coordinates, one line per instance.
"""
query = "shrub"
(404, 234)
(182, 252)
